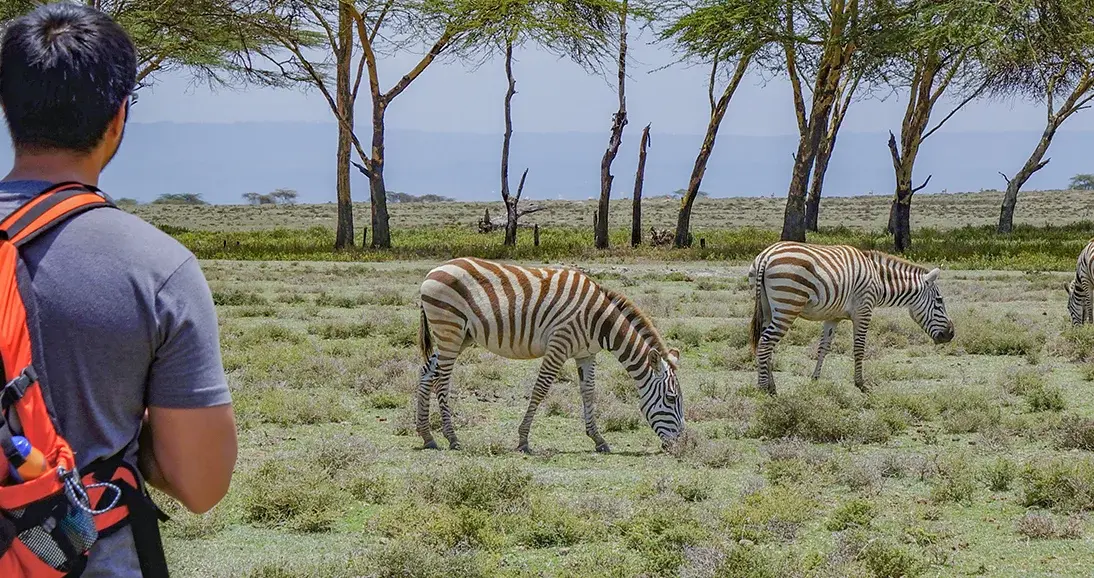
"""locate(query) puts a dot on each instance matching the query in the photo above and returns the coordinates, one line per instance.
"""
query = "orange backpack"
(48, 523)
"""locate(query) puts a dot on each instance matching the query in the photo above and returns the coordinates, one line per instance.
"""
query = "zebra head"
(1077, 301)
(662, 400)
(929, 311)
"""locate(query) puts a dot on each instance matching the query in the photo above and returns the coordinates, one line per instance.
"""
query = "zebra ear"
(654, 357)
(674, 357)
(932, 276)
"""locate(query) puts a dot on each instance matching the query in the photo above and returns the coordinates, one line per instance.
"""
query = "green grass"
(971, 458)
(950, 230)
(1028, 248)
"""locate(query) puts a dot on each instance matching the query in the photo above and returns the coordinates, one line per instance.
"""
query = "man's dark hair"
(65, 70)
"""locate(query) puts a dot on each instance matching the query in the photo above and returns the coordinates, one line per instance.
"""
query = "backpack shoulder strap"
(50, 208)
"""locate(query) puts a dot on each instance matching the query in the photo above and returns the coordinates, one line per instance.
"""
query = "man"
(129, 332)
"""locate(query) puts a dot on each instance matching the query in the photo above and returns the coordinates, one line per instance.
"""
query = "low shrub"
(1065, 484)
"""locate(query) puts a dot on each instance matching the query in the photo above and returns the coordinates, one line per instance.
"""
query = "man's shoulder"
(128, 237)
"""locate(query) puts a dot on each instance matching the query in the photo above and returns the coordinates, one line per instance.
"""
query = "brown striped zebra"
(551, 313)
(832, 283)
(1081, 288)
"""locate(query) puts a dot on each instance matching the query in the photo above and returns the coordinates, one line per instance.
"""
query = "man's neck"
(54, 167)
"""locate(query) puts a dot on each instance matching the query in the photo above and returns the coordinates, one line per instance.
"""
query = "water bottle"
(34, 464)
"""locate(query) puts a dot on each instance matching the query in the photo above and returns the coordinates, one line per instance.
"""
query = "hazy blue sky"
(557, 96)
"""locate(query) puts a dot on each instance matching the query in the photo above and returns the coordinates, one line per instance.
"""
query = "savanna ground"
(972, 458)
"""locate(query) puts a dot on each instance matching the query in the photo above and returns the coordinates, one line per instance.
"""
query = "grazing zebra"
(549, 313)
(1081, 288)
(832, 283)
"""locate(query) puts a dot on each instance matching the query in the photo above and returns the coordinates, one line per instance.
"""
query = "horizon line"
(576, 132)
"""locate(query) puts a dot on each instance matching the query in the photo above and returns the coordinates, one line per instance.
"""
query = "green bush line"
(1051, 248)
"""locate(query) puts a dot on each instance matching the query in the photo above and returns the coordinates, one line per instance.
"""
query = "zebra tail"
(757, 326)
(425, 340)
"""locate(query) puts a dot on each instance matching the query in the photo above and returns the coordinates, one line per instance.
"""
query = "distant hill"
(224, 161)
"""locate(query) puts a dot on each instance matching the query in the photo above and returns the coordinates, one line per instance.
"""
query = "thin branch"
(380, 20)
(370, 56)
(530, 210)
(360, 167)
(429, 57)
(713, 77)
(975, 94)
(792, 70)
(894, 152)
(1005, 177)
(520, 187)
(920, 187)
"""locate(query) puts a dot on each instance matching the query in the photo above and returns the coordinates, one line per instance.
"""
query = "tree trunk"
(511, 224)
(1032, 165)
(901, 210)
(902, 226)
(619, 120)
(513, 213)
(344, 55)
(794, 218)
(639, 176)
(510, 207)
(824, 155)
(816, 185)
(717, 113)
(836, 53)
(381, 235)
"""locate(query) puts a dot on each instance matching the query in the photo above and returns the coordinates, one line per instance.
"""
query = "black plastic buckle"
(17, 388)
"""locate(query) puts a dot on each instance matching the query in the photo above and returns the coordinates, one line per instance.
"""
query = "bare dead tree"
(513, 212)
(639, 177)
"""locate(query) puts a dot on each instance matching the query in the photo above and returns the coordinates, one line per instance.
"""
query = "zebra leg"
(548, 371)
(441, 387)
(425, 387)
(586, 372)
(860, 324)
(825, 344)
(765, 351)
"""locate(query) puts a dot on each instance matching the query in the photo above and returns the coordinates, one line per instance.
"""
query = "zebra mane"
(643, 324)
(882, 257)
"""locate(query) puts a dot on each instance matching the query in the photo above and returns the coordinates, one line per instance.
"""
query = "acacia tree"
(1048, 55)
(727, 35)
(946, 42)
(833, 47)
(578, 30)
(378, 28)
(836, 37)
(211, 40)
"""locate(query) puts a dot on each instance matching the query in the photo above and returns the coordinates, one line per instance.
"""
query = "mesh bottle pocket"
(53, 535)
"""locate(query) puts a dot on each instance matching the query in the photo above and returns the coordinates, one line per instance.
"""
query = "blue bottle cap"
(22, 444)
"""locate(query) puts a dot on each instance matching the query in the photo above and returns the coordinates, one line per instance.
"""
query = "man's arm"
(189, 454)
(187, 446)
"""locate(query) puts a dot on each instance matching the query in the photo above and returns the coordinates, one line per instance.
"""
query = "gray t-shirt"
(127, 321)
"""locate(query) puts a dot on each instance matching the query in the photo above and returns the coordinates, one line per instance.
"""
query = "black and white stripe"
(830, 284)
(551, 313)
(1081, 288)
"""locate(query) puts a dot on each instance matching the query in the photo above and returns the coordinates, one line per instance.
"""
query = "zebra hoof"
(454, 445)
(523, 448)
(430, 445)
(603, 449)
